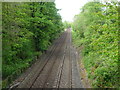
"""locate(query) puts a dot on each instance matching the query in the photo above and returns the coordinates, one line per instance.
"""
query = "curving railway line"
(57, 68)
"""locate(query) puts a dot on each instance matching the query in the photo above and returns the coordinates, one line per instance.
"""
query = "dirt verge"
(83, 72)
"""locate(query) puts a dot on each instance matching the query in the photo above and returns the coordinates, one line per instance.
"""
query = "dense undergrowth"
(96, 29)
(28, 29)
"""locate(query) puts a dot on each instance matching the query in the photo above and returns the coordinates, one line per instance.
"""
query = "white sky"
(69, 8)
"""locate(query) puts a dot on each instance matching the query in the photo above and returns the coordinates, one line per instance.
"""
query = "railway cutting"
(57, 68)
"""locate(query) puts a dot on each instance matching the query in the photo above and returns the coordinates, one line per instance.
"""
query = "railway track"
(57, 68)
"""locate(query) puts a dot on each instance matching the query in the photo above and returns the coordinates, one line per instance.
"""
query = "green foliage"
(96, 29)
(67, 24)
(28, 30)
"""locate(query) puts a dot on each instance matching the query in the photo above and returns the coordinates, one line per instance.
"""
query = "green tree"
(28, 30)
(95, 28)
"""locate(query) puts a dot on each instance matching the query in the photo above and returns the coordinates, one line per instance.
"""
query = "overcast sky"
(69, 8)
